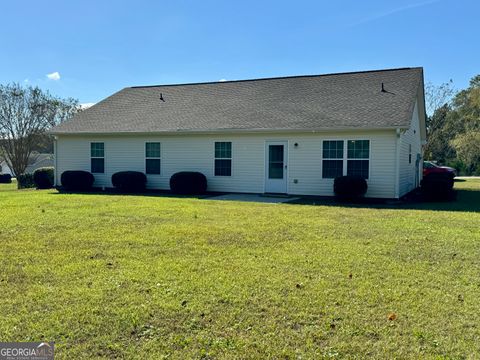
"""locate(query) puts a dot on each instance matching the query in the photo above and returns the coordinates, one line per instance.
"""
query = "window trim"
(340, 159)
(230, 158)
(154, 158)
(359, 159)
(345, 155)
(98, 157)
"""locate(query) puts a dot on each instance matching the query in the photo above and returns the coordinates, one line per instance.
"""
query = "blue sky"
(98, 47)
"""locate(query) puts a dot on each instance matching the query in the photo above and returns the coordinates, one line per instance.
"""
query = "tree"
(438, 146)
(464, 122)
(453, 127)
(25, 115)
(437, 100)
(466, 105)
(467, 146)
(437, 96)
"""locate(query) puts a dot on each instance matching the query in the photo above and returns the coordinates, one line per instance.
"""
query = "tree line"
(453, 124)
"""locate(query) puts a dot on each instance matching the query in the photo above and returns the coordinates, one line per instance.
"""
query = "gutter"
(55, 177)
(227, 131)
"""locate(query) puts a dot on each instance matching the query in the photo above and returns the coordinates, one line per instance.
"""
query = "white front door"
(276, 167)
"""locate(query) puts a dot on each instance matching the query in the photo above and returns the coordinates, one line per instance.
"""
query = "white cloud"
(86, 105)
(54, 76)
(222, 80)
(26, 81)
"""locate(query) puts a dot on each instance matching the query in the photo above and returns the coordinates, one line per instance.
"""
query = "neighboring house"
(35, 162)
(4, 168)
(290, 135)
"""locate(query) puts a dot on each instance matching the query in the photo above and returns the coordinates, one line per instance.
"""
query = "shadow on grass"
(464, 200)
(147, 193)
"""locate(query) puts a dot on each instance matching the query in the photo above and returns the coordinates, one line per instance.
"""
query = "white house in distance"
(35, 161)
(290, 135)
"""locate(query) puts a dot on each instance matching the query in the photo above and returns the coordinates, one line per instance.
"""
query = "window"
(152, 158)
(223, 159)
(332, 165)
(275, 161)
(358, 153)
(409, 153)
(97, 155)
(352, 158)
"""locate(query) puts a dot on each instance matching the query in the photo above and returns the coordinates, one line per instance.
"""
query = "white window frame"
(230, 158)
(339, 159)
(357, 159)
(152, 158)
(98, 157)
(345, 158)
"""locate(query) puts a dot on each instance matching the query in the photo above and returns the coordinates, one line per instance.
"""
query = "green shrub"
(129, 181)
(5, 178)
(188, 182)
(349, 187)
(25, 181)
(77, 180)
(43, 177)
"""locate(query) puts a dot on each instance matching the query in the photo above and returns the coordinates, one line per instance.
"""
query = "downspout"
(397, 163)
(55, 177)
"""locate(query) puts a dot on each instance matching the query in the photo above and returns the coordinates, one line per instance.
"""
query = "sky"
(90, 49)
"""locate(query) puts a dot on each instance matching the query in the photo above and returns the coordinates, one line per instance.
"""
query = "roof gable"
(300, 103)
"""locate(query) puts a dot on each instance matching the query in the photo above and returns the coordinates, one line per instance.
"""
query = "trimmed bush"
(5, 178)
(129, 181)
(25, 181)
(43, 178)
(77, 180)
(437, 186)
(349, 187)
(188, 182)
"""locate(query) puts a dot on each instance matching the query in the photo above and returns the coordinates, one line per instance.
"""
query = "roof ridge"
(277, 78)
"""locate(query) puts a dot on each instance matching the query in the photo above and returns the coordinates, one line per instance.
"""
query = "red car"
(432, 168)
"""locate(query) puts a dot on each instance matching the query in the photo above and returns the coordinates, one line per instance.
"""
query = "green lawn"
(110, 276)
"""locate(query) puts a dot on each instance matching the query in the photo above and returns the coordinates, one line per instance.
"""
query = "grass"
(111, 276)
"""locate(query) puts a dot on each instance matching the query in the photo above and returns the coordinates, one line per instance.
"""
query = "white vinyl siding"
(410, 143)
(196, 153)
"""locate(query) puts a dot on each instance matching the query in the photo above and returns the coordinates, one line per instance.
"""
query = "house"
(35, 161)
(290, 135)
(4, 168)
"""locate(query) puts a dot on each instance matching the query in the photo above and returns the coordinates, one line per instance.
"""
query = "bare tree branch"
(438, 95)
(25, 115)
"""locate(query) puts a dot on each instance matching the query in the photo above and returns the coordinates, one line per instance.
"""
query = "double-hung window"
(152, 158)
(332, 165)
(97, 157)
(223, 158)
(345, 157)
(358, 153)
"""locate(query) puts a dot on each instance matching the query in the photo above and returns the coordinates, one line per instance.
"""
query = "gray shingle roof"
(335, 101)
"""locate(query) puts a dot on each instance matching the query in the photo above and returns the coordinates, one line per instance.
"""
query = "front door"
(276, 167)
